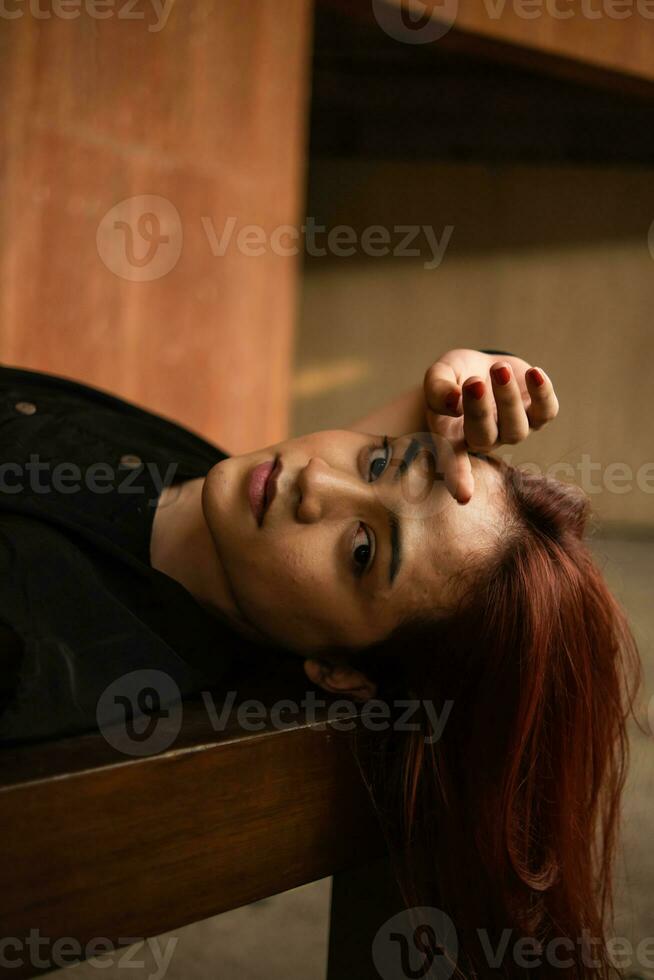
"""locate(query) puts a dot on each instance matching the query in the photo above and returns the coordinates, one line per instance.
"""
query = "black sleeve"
(11, 656)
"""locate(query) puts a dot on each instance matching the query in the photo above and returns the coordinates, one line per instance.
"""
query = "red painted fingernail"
(536, 376)
(452, 401)
(475, 389)
(501, 375)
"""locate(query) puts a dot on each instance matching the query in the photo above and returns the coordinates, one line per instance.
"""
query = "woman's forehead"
(441, 540)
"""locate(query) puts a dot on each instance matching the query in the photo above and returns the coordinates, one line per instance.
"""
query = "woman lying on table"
(398, 559)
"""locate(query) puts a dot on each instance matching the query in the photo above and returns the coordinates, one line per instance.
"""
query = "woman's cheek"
(303, 565)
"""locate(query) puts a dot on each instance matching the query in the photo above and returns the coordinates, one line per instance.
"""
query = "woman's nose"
(326, 491)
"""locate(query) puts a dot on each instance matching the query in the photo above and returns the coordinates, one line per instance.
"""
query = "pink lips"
(257, 488)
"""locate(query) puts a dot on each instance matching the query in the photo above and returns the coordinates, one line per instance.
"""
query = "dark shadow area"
(376, 97)
(511, 157)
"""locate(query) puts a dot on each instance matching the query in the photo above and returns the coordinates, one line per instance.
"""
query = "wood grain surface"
(94, 843)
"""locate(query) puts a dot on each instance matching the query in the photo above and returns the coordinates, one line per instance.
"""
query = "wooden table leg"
(363, 899)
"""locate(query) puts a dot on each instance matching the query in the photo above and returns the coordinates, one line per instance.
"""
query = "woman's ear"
(340, 679)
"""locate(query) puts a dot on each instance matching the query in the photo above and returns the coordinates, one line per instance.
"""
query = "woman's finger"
(544, 403)
(512, 421)
(479, 424)
(442, 393)
(465, 482)
(455, 466)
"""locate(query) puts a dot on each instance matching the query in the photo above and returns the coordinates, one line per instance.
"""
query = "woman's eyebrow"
(394, 526)
(410, 454)
(396, 547)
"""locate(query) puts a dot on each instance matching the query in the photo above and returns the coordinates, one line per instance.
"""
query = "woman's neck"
(181, 546)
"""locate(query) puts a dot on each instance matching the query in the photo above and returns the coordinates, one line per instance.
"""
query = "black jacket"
(80, 604)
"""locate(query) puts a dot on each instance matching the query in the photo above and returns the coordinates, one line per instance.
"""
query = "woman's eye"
(379, 463)
(362, 549)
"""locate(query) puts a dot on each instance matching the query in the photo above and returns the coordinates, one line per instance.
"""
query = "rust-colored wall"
(204, 107)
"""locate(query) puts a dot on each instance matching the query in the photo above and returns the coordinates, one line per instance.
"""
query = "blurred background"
(261, 222)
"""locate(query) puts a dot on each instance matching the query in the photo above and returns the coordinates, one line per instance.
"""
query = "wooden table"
(95, 843)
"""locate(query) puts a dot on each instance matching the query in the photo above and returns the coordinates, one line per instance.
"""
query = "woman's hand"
(475, 402)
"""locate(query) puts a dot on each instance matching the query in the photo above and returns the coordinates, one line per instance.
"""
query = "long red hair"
(510, 819)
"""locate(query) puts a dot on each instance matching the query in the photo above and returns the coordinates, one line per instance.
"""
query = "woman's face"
(354, 539)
